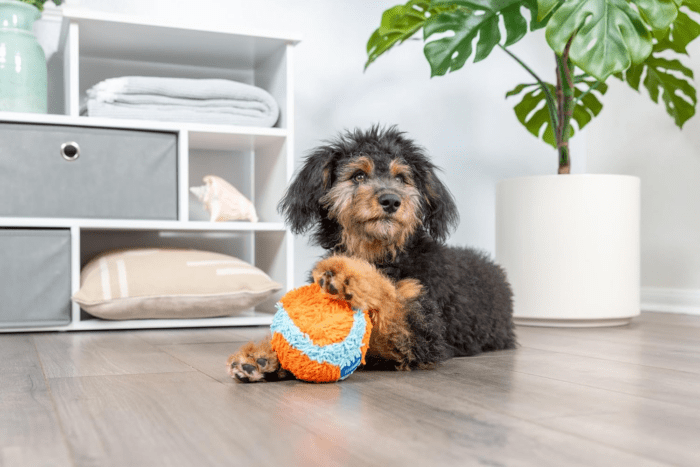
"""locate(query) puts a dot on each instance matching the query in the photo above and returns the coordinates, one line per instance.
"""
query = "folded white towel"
(180, 114)
(183, 100)
(165, 101)
(179, 87)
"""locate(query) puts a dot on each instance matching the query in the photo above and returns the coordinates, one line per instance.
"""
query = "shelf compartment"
(102, 173)
(36, 291)
(124, 37)
(240, 245)
(106, 46)
(219, 137)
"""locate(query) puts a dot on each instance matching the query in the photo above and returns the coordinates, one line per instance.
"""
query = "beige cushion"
(170, 283)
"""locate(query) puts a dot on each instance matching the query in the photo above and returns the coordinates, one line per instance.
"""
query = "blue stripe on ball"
(346, 354)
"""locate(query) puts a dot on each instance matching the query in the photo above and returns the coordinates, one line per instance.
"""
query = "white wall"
(464, 121)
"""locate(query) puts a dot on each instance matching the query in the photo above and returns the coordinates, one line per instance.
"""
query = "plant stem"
(551, 104)
(565, 108)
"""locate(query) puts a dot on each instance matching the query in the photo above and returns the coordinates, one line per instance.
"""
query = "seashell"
(223, 202)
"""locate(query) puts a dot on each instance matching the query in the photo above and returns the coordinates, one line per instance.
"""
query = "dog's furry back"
(470, 293)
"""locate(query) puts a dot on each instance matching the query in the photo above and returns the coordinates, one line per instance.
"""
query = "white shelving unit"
(258, 161)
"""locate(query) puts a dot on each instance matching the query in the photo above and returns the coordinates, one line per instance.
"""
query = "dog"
(374, 202)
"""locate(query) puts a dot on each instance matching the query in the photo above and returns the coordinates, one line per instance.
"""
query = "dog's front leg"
(256, 362)
(366, 288)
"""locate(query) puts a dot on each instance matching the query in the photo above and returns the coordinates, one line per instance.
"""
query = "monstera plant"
(637, 41)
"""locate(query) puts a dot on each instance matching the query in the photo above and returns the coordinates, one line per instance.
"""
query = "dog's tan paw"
(255, 362)
(345, 278)
(356, 281)
(335, 283)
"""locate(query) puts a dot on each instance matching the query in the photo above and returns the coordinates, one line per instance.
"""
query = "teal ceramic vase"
(22, 60)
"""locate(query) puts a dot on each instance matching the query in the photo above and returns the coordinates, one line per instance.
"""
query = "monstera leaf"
(474, 18)
(680, 33)
(666, 76)
(678, 93)
(608, 35)
(400, 23)
(533, 113)
(467, 19)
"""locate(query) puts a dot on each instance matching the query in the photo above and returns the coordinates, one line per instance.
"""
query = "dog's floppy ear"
(300, 205)
(440, 213)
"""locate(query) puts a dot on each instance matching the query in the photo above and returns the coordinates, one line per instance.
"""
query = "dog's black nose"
(389, 202)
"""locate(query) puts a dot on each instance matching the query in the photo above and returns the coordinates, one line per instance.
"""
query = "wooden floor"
(625, 396)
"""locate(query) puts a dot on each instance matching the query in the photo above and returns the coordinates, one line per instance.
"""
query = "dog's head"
(368, 192)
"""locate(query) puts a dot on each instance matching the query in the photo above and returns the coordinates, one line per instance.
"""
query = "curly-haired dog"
(377, 206)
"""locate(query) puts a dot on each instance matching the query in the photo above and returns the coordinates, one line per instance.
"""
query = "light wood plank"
(202, 336)
(662, 335)
(522, 395)
(635, 351)
(398, 424)
(653, 430)
(102, 353)
(30, 434)
(663, 385)
(663, 431)
(19, 366)
(676, 319)
(182, 419)
(209, 359)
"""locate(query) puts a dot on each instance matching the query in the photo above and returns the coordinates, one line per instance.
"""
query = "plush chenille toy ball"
(319, 338)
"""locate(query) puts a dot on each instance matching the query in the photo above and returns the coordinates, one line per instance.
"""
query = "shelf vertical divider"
(75, 272)
(183, 176)
(71, 70)
(289, 238)
(252, 155)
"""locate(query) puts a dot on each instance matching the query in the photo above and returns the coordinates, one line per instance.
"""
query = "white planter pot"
(570, 247)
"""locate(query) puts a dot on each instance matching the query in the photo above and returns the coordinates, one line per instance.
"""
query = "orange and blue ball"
(317, 337)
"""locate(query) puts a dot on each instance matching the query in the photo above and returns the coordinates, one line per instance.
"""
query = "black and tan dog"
(376, 204)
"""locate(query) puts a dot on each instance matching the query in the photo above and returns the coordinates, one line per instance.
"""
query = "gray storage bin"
(117, 174)
(36, 279)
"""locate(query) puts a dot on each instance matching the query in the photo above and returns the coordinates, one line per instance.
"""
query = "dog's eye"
(400, 179)
(359, 177)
